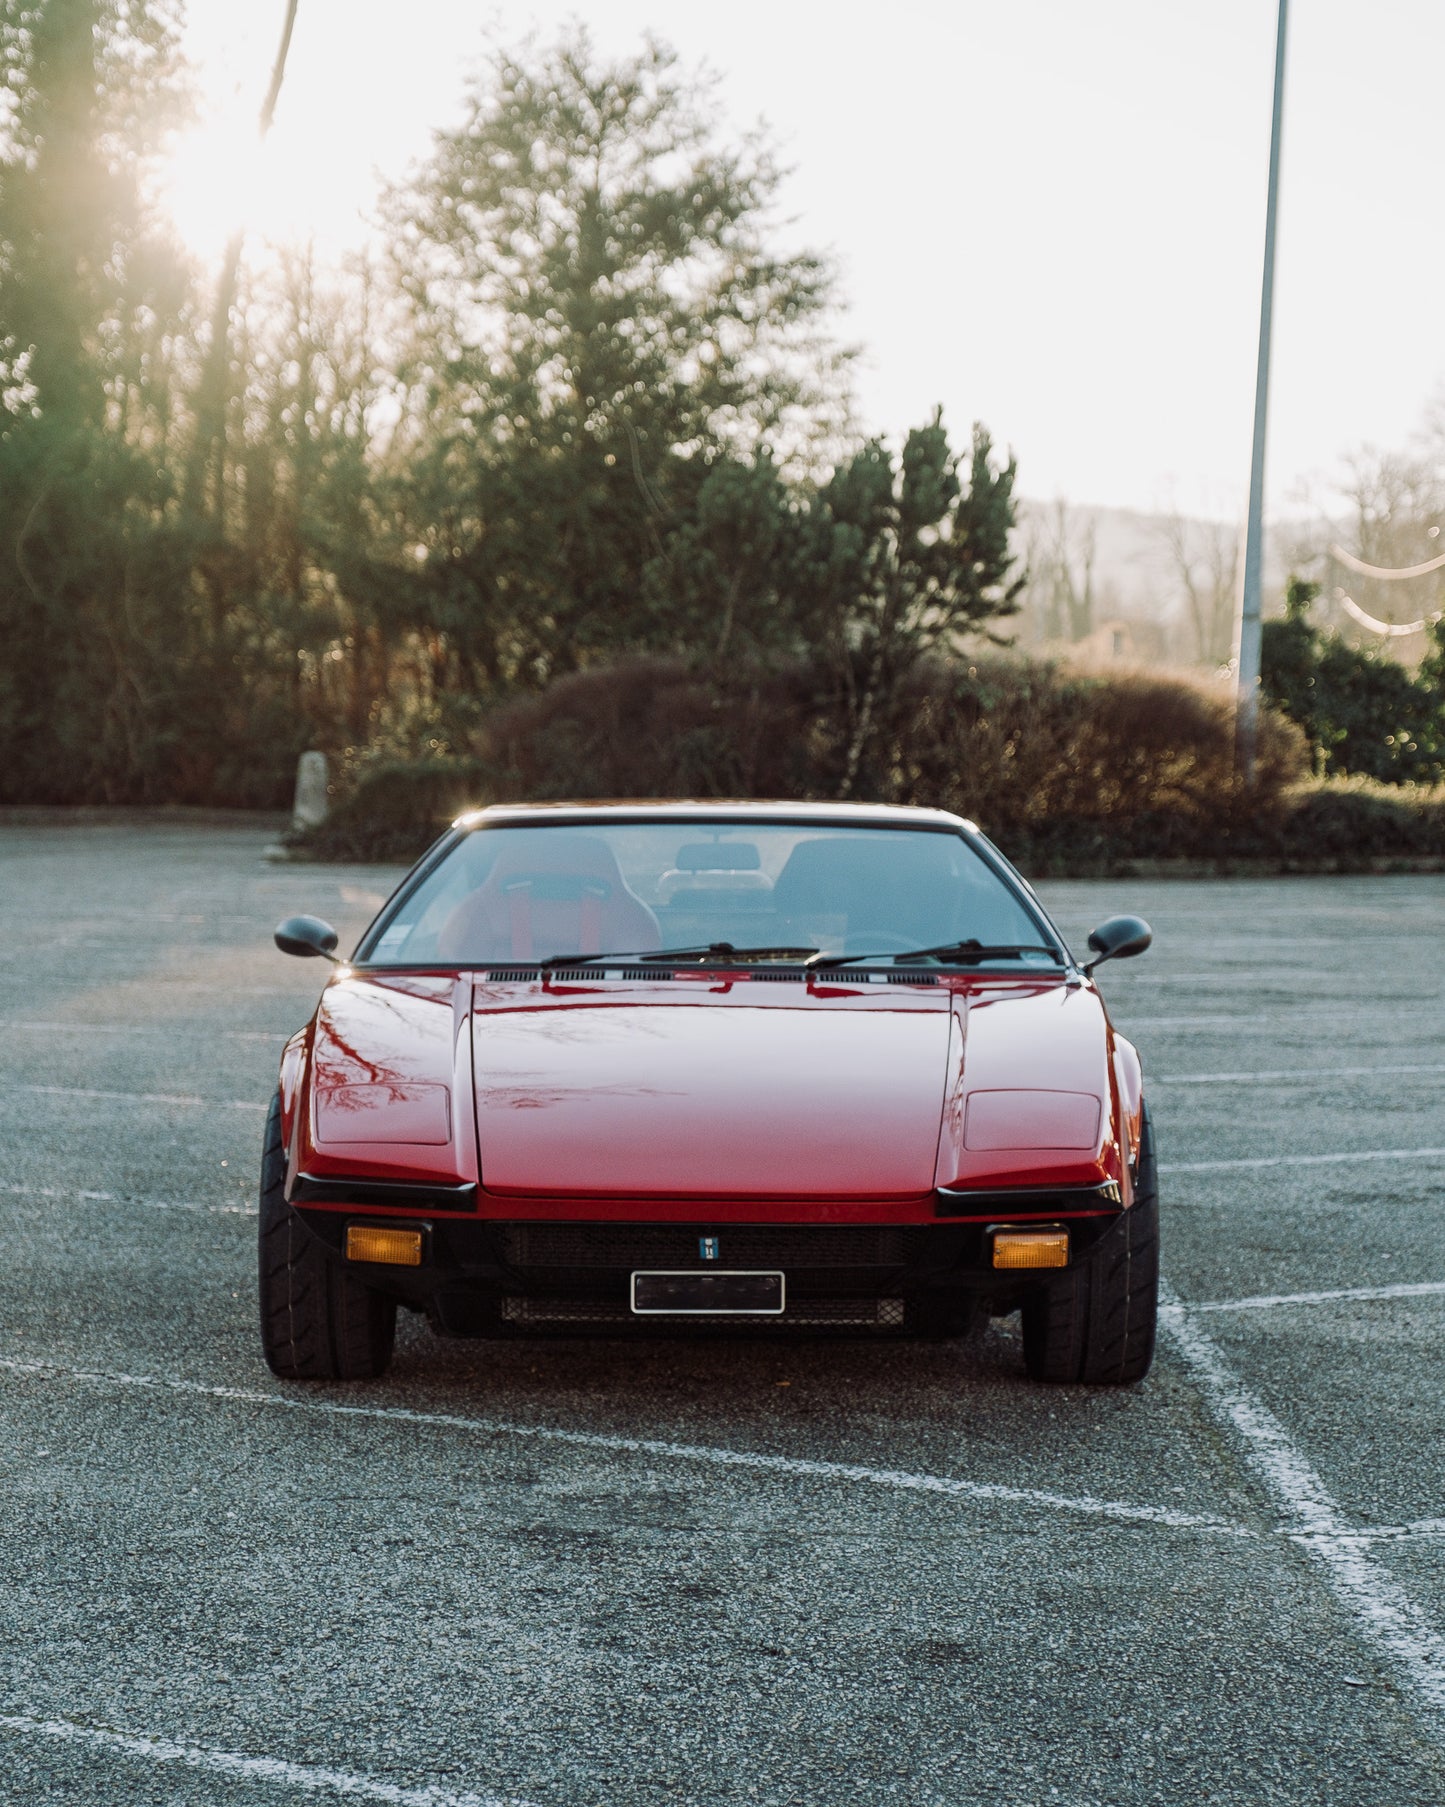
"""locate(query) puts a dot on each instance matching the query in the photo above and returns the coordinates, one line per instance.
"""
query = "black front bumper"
(502, 1278)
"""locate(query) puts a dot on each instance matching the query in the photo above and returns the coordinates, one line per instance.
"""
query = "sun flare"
(221, 178)
(212, 184)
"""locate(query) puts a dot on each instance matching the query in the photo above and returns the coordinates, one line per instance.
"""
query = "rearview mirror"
(307, 936)
(1118, 939)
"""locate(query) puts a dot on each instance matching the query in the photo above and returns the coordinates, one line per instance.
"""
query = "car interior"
(519, 894)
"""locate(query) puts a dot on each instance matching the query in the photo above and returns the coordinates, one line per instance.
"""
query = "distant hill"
(1118, 584)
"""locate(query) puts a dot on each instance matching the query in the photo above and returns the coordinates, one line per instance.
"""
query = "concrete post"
(310, 808)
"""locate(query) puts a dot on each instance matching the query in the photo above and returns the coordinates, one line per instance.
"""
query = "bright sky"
(1049, 214)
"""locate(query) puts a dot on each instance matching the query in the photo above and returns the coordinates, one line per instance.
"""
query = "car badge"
(707, 1248)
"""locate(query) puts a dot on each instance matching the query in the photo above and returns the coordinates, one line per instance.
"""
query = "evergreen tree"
(1361, 712)
(902, 561)
(596, 306)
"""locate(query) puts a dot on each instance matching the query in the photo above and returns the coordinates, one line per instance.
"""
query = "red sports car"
(732, 1066)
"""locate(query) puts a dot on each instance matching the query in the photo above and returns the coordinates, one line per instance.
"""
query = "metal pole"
(1247, 716)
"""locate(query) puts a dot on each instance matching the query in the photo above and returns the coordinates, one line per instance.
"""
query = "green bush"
(1362, 712)
(396, 809)
(1068, 772)
(1352, 824)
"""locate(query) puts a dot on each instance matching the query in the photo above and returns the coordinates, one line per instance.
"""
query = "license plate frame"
(725, 1293)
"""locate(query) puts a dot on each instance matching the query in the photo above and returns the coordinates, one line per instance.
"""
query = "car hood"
(386, 1078)
(711, 1088)
(697, 1089)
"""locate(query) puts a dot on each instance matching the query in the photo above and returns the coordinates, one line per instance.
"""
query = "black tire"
(318, 1322)
(1095, 1324)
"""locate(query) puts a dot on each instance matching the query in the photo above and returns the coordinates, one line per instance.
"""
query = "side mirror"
(307, 936)
(1119, 938)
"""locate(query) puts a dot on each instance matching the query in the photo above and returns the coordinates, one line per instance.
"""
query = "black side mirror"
(308, 936)
(1118, 939)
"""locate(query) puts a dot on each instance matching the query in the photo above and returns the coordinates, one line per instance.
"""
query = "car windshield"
(522, 894)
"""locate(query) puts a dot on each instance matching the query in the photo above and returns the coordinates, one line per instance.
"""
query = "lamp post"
(1247, 713)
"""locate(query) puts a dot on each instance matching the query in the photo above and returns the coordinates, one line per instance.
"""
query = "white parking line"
(75, 1091)
(82, 1196)
(901, 1480)
(1288, 1075)
(1225, 978)
(1289, 1014)
(1420, 1527)
(1380, 1606)
(167, 1029)
(1191, 1022)
(1303, 1160)
(236, 1767)
(1406, 1289)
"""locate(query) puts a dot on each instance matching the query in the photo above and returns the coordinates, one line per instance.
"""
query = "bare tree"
(1380, 558)
(1060, 553)
(1205, 557)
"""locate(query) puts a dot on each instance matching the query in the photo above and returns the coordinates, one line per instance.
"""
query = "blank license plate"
(689, 1294)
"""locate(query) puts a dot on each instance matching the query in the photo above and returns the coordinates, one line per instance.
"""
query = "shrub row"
(1070, 773)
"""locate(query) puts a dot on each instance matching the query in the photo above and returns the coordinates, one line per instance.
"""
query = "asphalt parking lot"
(583, 1572)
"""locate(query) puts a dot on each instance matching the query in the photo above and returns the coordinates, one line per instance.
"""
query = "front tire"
(318, 1322)
(1095, 1325)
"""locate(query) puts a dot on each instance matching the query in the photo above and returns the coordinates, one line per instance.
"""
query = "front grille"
(627, 1246)
(859, 1314)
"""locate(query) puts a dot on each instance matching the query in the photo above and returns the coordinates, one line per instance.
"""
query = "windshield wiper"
(715, 949)
(955, 953)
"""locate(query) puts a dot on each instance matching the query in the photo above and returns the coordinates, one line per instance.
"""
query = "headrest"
(554, 850)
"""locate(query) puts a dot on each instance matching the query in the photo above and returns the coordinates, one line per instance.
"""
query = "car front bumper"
(490, 1278)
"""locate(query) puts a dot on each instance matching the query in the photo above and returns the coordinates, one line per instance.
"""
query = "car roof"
(873, 815)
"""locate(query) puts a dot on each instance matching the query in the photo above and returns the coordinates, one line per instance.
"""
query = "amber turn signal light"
(1031, 1248)
(366, 1242)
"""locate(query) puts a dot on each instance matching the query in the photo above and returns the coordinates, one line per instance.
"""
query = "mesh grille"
(605, 1245)
(873, 1314)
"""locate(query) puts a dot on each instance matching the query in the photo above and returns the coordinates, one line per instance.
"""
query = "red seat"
(554, 893)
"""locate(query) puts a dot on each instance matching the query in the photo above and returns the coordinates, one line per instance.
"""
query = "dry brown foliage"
(1018, 744)
(1012, 742)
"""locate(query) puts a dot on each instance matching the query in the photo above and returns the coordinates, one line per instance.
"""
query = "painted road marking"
(900, 1480)
(236, 1767)
(296, 994)
(1287, 1016)
(1420, 1527)
(1379, 1605)
(166, 1029)
(72, 1091)
(1303, 1160)
(1289, 1075)
(85, 1197)
(1409, 1289)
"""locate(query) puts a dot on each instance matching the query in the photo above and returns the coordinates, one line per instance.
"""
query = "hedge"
(1071, 774)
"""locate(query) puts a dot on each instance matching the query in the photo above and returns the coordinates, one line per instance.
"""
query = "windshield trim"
(1008, 876)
